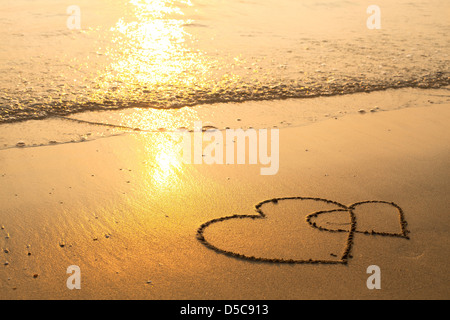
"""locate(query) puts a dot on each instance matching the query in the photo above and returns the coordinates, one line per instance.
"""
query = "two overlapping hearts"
(302, 230)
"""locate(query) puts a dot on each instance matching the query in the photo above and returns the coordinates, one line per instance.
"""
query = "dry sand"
(126, 210)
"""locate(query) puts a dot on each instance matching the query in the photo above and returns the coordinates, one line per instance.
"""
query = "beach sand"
(126, 210)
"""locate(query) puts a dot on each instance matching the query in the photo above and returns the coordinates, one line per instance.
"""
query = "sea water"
(60, 57)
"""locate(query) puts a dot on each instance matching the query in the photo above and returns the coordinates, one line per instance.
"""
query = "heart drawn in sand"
(312, 220)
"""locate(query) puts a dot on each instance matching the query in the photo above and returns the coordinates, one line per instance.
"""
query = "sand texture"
(351, 191)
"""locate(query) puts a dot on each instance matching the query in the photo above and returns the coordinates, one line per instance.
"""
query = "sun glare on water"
(149, 54)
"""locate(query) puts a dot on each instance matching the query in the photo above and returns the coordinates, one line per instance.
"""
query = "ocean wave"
(189, 98)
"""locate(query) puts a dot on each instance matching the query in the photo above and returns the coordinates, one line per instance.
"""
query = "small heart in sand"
(373, 218)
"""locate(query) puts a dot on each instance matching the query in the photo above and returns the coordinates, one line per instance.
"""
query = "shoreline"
(110, 106)
(88, 126)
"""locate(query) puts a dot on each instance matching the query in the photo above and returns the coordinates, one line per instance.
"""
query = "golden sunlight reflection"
(163, 166)
(159, 120)
(148, 52)
(158, 8)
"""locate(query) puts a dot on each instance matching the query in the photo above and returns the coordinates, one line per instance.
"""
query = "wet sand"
(127, 211)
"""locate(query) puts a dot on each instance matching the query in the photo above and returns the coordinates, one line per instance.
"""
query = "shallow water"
(169, 54)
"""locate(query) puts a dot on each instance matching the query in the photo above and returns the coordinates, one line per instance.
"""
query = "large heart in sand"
(301, 230)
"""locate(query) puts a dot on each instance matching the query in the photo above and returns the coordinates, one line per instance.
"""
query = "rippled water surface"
(169, 54)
